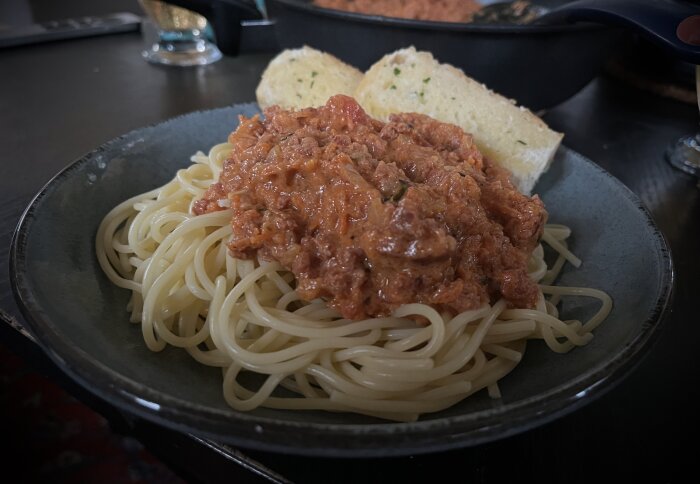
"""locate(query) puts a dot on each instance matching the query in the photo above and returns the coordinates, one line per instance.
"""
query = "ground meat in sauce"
(371, 215)
(437, 10)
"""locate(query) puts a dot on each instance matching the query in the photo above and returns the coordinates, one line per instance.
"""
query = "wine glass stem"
(685, 153)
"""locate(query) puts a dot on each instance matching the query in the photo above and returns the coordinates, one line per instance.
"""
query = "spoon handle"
(673, 24)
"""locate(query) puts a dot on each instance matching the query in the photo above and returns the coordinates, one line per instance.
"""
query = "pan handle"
(225, 17)
(673, 24)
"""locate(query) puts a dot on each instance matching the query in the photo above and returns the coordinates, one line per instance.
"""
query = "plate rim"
(325, 439)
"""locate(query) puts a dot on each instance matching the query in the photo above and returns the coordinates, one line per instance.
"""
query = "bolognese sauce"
(436, 10)
(371, 215)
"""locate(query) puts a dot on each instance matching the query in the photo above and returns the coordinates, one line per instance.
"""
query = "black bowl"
(80, 318)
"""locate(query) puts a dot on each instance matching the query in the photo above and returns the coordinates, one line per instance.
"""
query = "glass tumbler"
(182, 36)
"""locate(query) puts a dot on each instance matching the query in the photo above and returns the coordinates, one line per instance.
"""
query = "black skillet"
(539, 64)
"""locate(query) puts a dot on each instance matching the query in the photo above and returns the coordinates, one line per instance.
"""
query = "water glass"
(183, 36)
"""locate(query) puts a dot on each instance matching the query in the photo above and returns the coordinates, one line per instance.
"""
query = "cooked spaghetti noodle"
(245, 317)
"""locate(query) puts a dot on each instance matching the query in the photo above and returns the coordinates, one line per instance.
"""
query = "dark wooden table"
(61, 100)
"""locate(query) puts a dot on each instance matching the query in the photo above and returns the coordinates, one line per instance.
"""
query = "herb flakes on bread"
(305, 77)
(411, 81)
(408, 80)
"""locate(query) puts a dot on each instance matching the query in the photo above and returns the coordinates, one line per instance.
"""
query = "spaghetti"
(244, 316)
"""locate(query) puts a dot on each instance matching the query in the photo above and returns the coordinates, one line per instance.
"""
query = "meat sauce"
(437, 10)
(371, 215)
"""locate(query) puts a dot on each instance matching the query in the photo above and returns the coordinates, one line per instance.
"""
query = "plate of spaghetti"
(322, 283)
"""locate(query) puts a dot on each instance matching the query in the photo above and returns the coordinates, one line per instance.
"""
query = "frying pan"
(539, 64)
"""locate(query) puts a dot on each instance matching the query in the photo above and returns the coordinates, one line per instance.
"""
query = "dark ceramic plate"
(79, 317)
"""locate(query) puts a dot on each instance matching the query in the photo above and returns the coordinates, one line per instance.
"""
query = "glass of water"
(183, 36)
(685, 153)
